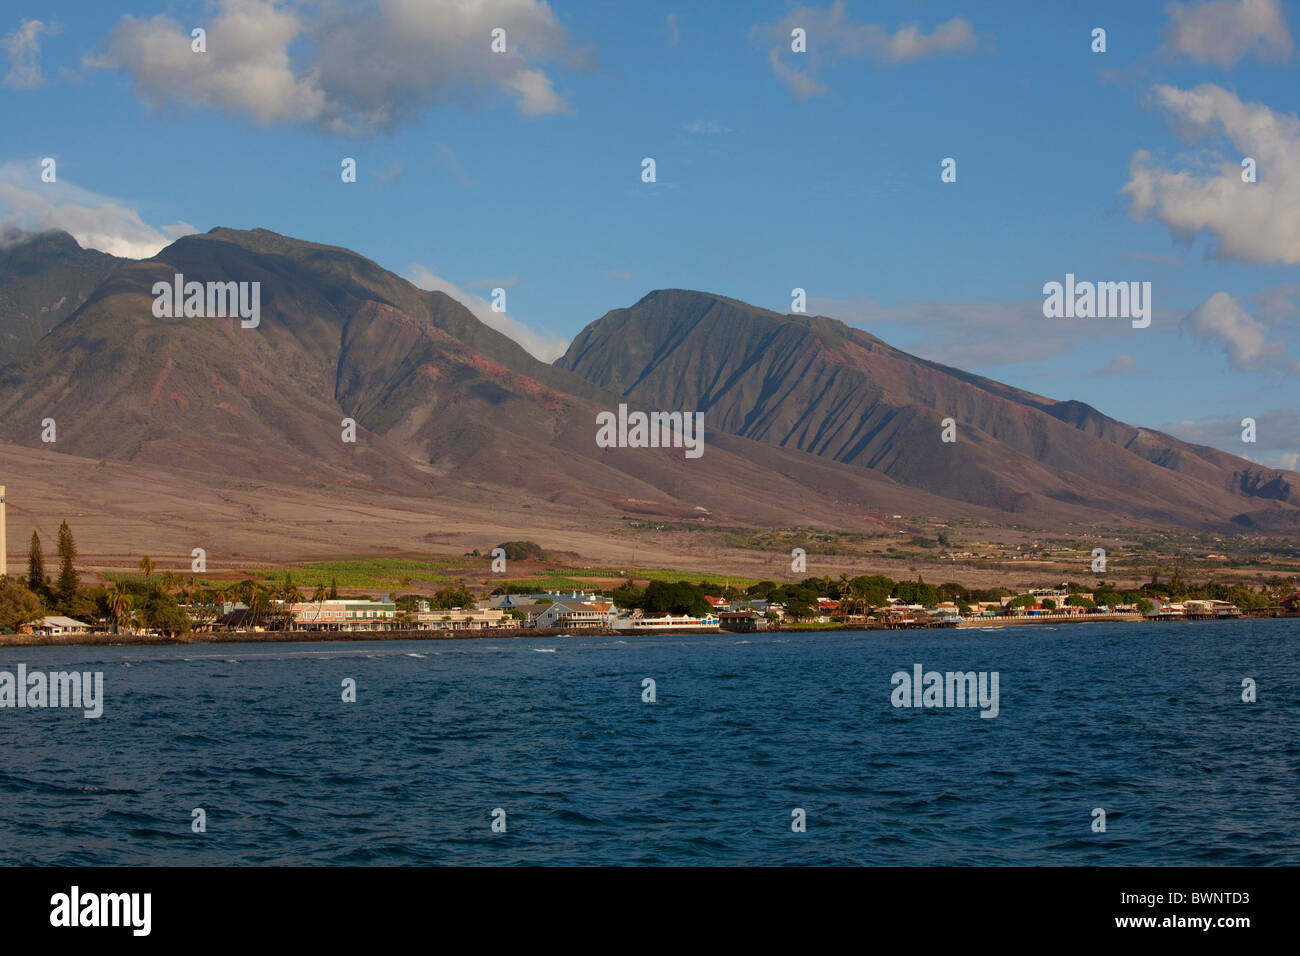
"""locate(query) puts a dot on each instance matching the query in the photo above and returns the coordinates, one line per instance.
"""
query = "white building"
(56, 624)
(456, 619)
(573, 614)
(638, 622)
(343, 614)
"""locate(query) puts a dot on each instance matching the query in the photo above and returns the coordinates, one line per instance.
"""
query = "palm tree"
(257, 602)
(846, 595)
(289, 591)
(858, 598)
(290, 595)
(120, 603)
(320, 595)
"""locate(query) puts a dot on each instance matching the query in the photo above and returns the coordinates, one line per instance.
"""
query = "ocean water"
(1145, 721)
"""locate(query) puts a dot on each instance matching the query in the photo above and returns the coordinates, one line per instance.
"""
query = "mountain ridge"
(436, 396)
(807, 419)
(820, 386)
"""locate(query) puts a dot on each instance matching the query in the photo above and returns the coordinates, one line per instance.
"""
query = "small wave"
(543, 650)
(263, 773)
(413, 654)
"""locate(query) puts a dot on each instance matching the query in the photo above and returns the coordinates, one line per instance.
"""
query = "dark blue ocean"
(1145, 721)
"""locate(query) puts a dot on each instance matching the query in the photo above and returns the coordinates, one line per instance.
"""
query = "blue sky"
(775, 169)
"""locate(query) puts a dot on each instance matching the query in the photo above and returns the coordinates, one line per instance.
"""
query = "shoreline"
(332, 637)
(1051, 619)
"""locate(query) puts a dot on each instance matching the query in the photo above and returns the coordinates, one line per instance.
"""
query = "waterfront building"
(344, 614)
(747, 620)
(576, 614)
(1210, 609)
(456, 619)
(638, 622)
(57, 625)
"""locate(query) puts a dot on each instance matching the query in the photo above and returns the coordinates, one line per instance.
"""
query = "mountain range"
(808, 422)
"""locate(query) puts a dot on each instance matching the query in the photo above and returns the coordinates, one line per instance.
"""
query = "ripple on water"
(1145, 723)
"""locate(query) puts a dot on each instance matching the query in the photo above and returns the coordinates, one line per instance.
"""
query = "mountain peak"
(814, 384)
(262, 240)
(46, 242)
(805, 415)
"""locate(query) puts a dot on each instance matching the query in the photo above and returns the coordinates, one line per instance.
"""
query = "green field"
(423, 574)
(383, 573)
(387, 573)
(560, 578)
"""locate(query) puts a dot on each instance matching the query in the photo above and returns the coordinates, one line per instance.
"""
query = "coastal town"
(166, 605)
(555, 612)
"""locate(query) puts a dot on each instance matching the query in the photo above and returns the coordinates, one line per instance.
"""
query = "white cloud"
(357, 72)
(1279, 304)
(832, 35)
(1277, 435)
(705, 128)
(1155, 260)
(1121, 364)
(446, 157)
(1225, 31)
(910, 43)
(24, 49)
(95, 221)
(543, 346)
(1290, 461)
(801, 84)
(536, 95)
(1256, 222)
(973, 335)
(1244, 337)
(509, 282)
(674, 31)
